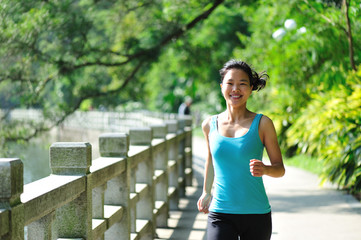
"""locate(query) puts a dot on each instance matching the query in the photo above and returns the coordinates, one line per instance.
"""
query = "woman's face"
(236, 87)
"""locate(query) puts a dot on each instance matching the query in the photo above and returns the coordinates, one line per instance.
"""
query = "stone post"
(172, 126)
(181, 157)
(188, 150)
(117, 191)
(188, 121)
(11, 186)
(73, 220)
(173, 157)
(145, 172)
(132, 171)
(114, 145)
(160, 158)
(42, 228)
(98, 201)
(70, 158)
(159, 131)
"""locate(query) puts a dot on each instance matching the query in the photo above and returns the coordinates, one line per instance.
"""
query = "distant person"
(185, 107)
(235, 140)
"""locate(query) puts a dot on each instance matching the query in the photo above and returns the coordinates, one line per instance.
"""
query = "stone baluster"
(172, 126)
(98, 206)
(132, 170)
(133, 208)
(73, 220)
(144, 174)
(117, 191)
(188, 150)
(181, 157)
(98, 201)
(160, 158)
(11, 186)
(42, 228)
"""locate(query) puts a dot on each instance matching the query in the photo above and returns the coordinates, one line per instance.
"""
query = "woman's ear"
(221, 89)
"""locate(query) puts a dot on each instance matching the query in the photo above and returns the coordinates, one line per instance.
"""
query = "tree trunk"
(349, 36)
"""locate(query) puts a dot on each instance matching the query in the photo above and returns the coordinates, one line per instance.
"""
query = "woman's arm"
(269, 139)
(205, 200)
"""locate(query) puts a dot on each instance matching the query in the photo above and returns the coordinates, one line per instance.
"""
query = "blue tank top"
(236, 191)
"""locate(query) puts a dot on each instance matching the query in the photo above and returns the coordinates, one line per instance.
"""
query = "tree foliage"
(331, 130)
(313, 95)
(190, 65)
(60, 56)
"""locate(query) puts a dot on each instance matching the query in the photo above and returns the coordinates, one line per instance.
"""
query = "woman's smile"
(235, 96)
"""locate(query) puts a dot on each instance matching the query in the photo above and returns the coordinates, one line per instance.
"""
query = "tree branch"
(179, 32)
(325, 17)
(130, 9)
(149, 53)
(144, 56)
(349, 35)
(347, 31)
(114, 91)
(38, 130)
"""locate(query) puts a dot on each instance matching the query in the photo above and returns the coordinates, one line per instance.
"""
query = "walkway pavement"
(300, 208)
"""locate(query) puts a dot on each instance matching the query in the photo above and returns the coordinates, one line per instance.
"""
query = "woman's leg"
(221, 227)
(259, 227)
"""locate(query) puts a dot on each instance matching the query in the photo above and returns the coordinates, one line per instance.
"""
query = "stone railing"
(95, 120)
(124, 194)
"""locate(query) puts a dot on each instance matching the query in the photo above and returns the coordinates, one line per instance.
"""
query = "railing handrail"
(124, 194)
(96, 119)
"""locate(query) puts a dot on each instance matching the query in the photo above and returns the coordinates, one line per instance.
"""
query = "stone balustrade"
(94, 120)
(124, 194)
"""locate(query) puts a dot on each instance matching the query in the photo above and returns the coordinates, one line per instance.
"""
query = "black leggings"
(223, 226)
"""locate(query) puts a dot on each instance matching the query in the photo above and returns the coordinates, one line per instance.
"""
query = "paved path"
(300, 208)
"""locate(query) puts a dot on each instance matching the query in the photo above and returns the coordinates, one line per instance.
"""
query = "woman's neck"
(236, 114)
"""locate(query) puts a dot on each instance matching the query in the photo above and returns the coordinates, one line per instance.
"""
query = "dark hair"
(257, 80)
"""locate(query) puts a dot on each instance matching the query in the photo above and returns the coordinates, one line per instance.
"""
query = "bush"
(330, 128)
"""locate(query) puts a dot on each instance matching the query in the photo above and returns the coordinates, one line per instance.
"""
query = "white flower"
(290, 24)
(278, 34)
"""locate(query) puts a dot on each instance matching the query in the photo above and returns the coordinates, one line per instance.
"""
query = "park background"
(65, 56)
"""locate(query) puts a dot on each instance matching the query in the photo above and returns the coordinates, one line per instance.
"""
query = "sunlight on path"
(301, 209)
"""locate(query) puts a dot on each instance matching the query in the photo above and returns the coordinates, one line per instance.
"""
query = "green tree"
(314, 81)
(190, 65)
(64, 55)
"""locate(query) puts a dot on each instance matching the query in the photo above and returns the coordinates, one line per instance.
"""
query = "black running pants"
(223, 226)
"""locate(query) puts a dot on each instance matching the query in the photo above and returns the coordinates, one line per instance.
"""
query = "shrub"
(330, 128)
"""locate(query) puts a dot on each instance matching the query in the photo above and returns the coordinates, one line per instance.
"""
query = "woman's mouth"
(236, 96)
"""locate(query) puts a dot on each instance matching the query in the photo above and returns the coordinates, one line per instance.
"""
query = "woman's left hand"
(257, 168)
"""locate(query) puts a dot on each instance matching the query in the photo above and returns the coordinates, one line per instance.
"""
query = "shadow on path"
(187, 222)
(301, 209)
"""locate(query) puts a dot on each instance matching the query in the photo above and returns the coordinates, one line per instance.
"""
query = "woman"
(235, 139)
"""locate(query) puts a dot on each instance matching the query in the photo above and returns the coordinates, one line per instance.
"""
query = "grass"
(198, 132)
(305, 162)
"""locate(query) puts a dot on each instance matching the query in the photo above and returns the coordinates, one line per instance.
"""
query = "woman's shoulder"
(207, 121)
(264, 117)
(265, 122)
(206, 124)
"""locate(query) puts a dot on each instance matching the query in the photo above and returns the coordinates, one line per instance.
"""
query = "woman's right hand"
(203, 202)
